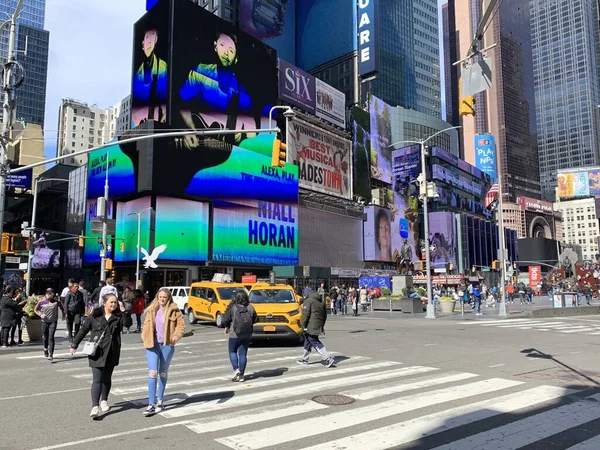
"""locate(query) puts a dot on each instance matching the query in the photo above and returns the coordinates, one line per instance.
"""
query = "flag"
(491, 195)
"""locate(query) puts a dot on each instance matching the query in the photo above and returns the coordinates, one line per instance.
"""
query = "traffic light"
(467, 106)
(473, 269)
(419, 266)
(5, 243)
(122, 246)
(496, 265)
(279, 154)
(19, 244)
(108, 264)
(80, 241)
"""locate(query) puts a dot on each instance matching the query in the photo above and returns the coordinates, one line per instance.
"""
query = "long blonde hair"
(154, 305)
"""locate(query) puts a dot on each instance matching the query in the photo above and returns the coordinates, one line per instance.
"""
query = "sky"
(90, 54)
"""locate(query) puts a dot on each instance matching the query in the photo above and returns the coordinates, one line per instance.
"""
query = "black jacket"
(109, 350)
(314, 314)
(95, 297)
(8, 312)
(74, 302)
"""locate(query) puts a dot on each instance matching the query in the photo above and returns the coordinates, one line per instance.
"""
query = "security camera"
(289, 114)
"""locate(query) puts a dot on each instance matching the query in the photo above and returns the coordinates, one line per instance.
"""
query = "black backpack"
(243, 323)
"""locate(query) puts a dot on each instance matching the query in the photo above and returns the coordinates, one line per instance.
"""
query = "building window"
(74, 110)
(74, 127)
(215, 3)
(228, 14)
(72, 144)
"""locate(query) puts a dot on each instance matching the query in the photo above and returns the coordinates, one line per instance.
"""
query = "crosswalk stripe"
(292, 431)
(506, 321)
(532, 325)
(533, 428)
(438, 422)
(589, 444)
(369, 393)
(251, 416)
(577, 331)
(514, 325)
(270, 395)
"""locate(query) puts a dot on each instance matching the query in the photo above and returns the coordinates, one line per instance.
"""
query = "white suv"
(180, 296)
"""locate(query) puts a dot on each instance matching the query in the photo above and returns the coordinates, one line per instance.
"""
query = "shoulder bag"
(91, 346)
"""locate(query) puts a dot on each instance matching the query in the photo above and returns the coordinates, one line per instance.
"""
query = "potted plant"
(32, 330)
(447, 304)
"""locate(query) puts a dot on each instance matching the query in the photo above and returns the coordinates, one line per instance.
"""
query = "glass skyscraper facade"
(566, 55)
(409, 66)
(31, 96)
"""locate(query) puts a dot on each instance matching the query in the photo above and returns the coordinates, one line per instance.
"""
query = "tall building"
(566, 56)
(82, 126)
(225, 9)
(451, 73)
(507, 109)
(32, 52)
(580, 224)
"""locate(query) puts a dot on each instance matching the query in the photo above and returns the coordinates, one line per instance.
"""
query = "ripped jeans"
(159, 358)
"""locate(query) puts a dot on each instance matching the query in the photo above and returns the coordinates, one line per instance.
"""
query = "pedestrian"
(239, 320)
(163, 328)
(128, 298)
(95, 297)
(333, 294)
(138, 308)
(18, 326)
(65, 291)
(47, 309)
(75, 307)
(314, 316)
(108, 288)
(105, 326)
(477, 300)
(9, 306)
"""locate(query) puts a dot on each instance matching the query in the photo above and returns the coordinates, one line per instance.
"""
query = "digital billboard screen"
(127, 227)
(92, 248)
(362, 153)
(406, 163)
(381, 138)
(256, 232)
(378, 234)
(46, 253)
(324, 159)
(442, 239)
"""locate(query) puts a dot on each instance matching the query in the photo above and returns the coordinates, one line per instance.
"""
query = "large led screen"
(92, 246)
(442, 239)
(127, 228)
(362, 153)
(256, 232)
(182, 226)
(381, 138)
(406, 163)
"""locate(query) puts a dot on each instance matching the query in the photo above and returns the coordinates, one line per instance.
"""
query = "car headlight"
(294, 312)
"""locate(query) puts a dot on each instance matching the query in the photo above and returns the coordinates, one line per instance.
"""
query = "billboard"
(331, 104)
(362, 153)
(406, 163)
(535, 205)
(381, 138)
(378, 234)
(127, 227)
(21, 180)
(535, 276)
(324, 159)
(368, 37)
(271, 21)
(46, 253)
(485, 154)
(92, 248)
(257, 232)
(297, 87)
(579, 183)
(442, 239)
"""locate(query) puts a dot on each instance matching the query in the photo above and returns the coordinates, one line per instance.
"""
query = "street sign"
(476, 77)
(13, 260)
(97, 226)
(485, 269)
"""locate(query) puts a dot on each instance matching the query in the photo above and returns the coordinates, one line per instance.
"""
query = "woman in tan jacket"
(163, 328)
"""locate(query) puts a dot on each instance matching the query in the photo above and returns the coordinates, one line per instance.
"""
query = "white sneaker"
(104, 406)
(94, 412)
(236, 376)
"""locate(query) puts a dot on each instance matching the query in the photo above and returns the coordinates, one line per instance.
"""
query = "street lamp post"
(425, 195)
(33, 213)
(137, 261)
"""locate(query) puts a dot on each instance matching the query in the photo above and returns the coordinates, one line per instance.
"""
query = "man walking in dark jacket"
(75, 307)
(314, 315)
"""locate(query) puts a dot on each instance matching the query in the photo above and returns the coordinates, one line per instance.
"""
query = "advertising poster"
(594, 182)
(297, 87)
(127, 227)
(446, 175)
(378, 234)
(256, 232)
(406, 163)
(21, 180)
(381, 138)
(182, 227)
(485, 154)
(331, 104)
(273, 22)
(46, 254)
(149, 84)
(405, 227)
(581, 184)
(362, 154)
(565, 184)
(324, 160)
(535, 276)
(442, 239)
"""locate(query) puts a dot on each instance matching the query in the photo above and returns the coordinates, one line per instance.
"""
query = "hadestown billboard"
(324, 159)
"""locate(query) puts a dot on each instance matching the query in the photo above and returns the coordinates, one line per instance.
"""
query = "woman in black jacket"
(9, 308)
(108, 317)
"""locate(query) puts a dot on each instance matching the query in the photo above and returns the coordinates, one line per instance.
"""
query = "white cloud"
(90, 54)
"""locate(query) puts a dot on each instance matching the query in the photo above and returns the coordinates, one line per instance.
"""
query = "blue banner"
(380, 282)
(485, 155)
(368, 37)
(20, 180)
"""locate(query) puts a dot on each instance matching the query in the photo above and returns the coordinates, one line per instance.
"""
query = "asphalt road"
(478, 383)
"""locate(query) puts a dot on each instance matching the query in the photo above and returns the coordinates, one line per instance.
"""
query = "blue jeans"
(477, 304)
(159, 358)
(238, 351)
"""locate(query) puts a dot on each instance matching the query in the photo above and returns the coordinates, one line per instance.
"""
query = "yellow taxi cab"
(278, 309)
(208, 300)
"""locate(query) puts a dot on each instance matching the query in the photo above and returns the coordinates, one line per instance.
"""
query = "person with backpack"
(75, 307)
(314, 316)
(239, 320)
(163, 328)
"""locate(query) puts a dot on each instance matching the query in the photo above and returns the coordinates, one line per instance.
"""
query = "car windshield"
(229, 292)
(272, 296)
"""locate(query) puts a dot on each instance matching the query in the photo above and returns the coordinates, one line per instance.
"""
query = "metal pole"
(7, 117)
(32, 228)
(502, 256)
(104, 226)
(137, 261)
(430, 306)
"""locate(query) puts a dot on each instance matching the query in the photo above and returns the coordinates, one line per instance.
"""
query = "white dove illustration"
(150, 264)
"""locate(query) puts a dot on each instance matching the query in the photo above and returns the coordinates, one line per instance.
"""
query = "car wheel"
(219, 320)
(191, 319)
